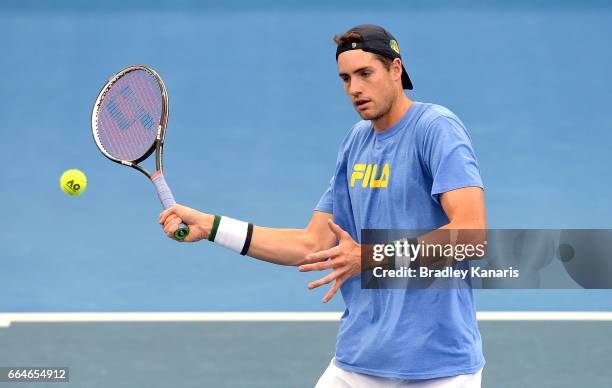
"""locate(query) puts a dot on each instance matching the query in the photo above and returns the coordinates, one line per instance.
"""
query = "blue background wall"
(257, 114)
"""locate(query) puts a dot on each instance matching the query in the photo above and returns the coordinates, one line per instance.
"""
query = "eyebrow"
(356, 71)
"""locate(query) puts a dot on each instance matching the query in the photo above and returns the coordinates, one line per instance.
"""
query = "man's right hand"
(199, 223)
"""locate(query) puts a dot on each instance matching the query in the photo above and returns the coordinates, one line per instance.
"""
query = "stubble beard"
(380, 112)
(377, 114)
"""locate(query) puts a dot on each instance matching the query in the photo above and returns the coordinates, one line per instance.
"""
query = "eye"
(366, 73)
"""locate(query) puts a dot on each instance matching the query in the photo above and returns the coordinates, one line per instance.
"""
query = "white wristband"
(232, 234)
(409, 256)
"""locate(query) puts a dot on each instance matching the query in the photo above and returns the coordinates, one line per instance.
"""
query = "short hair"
(355, 37)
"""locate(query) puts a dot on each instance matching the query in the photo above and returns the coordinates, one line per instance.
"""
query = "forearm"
(282, 246)
(467, 225)
(275, 245)
(467, 237)
(434, 248)
(279, 246)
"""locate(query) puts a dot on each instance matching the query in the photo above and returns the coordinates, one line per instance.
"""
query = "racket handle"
(167, 200)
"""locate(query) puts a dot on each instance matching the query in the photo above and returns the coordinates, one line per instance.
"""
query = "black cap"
(376, 40)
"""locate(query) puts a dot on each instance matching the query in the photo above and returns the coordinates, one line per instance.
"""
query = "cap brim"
(406, 83)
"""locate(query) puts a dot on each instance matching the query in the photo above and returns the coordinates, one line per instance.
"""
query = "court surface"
(284, 354)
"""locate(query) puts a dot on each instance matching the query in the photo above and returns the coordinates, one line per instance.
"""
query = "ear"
(396, 69)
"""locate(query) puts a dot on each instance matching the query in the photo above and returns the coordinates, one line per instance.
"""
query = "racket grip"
(167, 200)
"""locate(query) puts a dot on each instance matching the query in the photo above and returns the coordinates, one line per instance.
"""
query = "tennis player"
(426, 177)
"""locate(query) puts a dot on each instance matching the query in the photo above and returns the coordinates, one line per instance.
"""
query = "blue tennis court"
(285, 354)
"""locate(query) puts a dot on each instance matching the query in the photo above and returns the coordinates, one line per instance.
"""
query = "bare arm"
(465, 208)
(291, 246)
(275, 245)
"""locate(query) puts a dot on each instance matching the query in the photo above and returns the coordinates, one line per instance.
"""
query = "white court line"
(7, 318)
(173, 317)
(544, 315)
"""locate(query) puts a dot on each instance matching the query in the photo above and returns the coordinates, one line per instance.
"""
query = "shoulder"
(360, 130)
(356, 134)
(437, 121)
(434, 115)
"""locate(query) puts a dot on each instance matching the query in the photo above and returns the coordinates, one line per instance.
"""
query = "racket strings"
(128, 115)
(134, 105)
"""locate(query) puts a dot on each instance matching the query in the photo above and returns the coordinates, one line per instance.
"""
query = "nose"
(354, 88)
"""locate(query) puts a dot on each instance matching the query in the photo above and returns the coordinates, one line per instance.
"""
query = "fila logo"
(366, 173)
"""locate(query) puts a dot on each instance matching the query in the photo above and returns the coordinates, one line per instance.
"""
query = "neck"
(398, 109)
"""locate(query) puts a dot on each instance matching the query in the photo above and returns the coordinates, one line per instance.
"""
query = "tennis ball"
(73, 182)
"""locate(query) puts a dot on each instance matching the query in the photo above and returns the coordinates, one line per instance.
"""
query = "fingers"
(320, 266)
(339, 276)
(164, 215)
(324, 280)
(322, 255)
(337, 261)
(336, 274)
(170, 220)
(171, 224)
(332, 291)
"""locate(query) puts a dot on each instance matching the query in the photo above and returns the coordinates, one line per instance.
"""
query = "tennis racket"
(129, 122)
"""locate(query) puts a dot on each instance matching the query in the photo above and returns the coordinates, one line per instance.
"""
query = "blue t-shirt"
(392, 180)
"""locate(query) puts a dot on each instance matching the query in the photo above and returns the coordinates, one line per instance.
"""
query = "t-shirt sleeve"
(326, 203)
(450, 157)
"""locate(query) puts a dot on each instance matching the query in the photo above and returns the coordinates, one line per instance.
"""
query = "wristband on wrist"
(232, 234)
(405, 260)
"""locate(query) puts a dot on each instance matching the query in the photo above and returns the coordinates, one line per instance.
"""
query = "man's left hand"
(344, 259)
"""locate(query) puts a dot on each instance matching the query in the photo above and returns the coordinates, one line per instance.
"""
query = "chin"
(368, 115)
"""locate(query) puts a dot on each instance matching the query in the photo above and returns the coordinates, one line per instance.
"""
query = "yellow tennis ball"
(73, 182)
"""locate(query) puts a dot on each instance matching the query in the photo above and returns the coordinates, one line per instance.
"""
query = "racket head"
(130, 115)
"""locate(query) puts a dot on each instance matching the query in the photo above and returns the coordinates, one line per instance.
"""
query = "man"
(426, 177)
